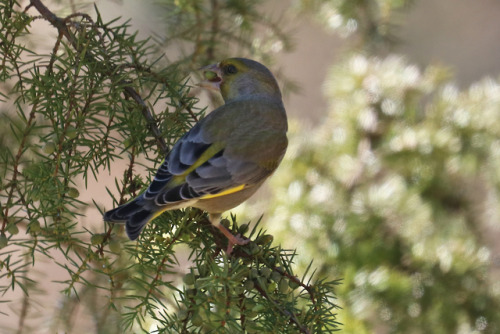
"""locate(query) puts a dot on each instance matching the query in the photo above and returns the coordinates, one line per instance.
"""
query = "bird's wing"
(200, 165)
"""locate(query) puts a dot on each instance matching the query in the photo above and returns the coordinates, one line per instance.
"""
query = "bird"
(224, 158)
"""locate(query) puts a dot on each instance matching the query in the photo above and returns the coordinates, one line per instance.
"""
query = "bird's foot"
(232, 239)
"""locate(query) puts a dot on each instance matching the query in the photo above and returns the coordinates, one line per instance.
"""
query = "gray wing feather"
(221, 172)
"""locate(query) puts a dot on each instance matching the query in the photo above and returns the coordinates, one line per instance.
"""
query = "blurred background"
(392, 179)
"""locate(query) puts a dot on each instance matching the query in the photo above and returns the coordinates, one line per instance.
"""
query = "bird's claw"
(232, 239)
(235, 240)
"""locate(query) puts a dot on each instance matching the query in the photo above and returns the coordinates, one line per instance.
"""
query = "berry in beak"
(213, 77)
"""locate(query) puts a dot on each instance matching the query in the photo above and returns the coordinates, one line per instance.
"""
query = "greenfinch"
(225, 157)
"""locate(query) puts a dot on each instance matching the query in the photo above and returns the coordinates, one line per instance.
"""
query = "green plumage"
(225, 157)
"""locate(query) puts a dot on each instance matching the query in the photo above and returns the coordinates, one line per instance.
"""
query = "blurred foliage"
(373, 23)
(393, 193)
(102, 95)
(201, 31)
(396, 192)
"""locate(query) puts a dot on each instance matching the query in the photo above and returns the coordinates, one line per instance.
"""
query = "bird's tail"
(134, 214)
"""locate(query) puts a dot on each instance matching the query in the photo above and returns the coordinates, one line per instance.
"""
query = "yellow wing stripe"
(225, 192)
(204, 157)
(159, 212)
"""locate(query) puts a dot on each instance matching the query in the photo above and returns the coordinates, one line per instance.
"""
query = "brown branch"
(297, 281)
(146, 112)
(214, 29)
(161, 80)
(17, 160)
(56, 21)
(220, 239)
(24, 310)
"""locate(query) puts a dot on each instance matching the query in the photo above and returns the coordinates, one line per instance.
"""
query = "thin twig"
(292, 316)
(61, 25)
(17, 160)
(146, 112)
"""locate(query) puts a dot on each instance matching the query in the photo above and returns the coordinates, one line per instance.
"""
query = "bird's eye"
(230, 69)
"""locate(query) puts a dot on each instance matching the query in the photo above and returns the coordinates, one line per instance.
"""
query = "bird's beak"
(213, 77)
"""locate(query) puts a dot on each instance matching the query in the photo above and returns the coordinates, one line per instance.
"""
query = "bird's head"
(240, 78)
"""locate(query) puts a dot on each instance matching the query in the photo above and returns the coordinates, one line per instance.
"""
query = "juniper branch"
(61, 25)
